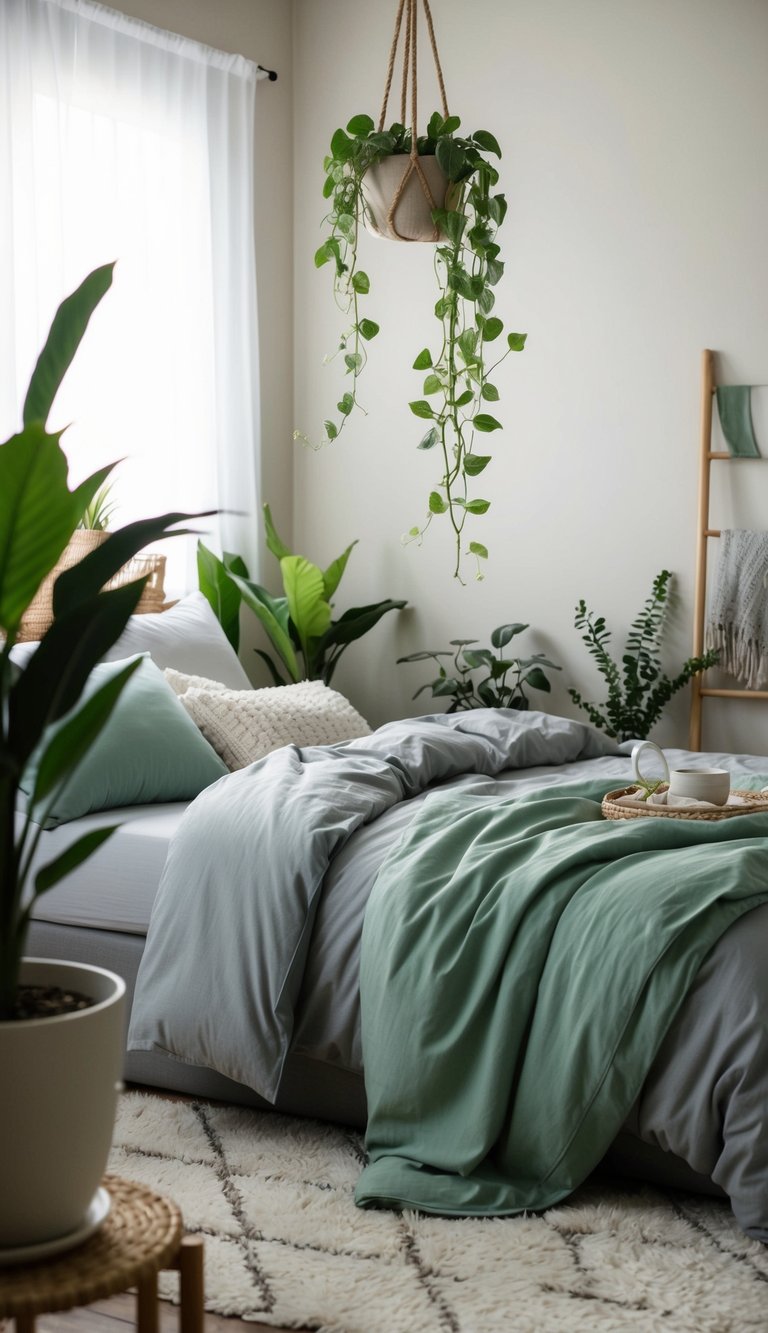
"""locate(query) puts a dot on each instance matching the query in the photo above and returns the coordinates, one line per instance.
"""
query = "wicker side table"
(142, 1233)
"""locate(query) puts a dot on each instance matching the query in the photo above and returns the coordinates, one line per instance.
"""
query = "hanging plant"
(438, 187)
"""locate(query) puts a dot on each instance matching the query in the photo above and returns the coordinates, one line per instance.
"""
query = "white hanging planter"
(403, 212)
(61, 1078)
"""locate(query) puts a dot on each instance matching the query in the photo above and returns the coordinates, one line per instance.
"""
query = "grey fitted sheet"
(115, 888)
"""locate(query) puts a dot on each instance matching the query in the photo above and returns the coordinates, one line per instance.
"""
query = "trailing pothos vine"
(458, 385)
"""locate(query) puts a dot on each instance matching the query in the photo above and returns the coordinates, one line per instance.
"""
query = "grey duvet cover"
(253, 946)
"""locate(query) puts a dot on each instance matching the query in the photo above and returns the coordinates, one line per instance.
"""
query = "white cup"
(696, 784)
(701, 784)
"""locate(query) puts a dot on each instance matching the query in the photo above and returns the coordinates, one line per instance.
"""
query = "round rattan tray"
(757, 801)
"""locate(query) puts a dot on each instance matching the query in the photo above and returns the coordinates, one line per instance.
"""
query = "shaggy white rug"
(285, 1245)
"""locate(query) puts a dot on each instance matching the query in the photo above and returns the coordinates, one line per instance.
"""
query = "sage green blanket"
(521, 963)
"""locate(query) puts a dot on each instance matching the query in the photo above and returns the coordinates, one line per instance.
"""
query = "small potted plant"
(61, 1024)
(482, 678)
(638, 689)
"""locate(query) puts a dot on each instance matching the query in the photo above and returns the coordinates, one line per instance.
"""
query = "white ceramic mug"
(701, 784)
(696, 784)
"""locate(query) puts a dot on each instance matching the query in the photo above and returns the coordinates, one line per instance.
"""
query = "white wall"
(635, 168)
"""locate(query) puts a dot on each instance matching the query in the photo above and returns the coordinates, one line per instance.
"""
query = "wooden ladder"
(699, 691)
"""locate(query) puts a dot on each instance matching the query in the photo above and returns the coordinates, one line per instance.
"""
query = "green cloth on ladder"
(735, 409)
(521, 963)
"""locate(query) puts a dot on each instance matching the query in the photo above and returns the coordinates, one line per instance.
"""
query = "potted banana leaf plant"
(61, 1024)
(307, 640)
(458, 389)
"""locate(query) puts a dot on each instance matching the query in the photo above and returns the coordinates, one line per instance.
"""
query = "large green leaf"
(76, 735)
(360, 126)
(305, 591)
(275, 544)
(474, 464)
(485, 422)
(333, 574)
(477, 657)
(54, 677)
(358, 621)
(452, 158)
(274, 616)
(538, 680)
(223, 595)
(503, 633)
(421, 408)
(69, 325)
(38, 514)
(37, 517)
(449, 686)
(234, 564)
(485, 140)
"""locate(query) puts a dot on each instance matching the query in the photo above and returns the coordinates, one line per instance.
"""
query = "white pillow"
(188, 638)
(244, 725)
(21, 652)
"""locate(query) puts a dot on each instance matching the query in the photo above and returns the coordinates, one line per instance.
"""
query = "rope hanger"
(409, 77)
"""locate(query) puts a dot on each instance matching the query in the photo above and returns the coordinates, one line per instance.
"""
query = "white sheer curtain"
(120, 141)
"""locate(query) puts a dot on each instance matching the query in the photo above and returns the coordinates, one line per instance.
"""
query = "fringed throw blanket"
(738, 615)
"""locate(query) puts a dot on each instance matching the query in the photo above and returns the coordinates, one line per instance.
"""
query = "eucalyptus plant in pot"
(638, 688)
(61, 1025)
(458, 383)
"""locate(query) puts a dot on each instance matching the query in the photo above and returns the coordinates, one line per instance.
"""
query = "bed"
(243, 949)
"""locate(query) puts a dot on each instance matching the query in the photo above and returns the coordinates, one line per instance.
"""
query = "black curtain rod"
(271, 73)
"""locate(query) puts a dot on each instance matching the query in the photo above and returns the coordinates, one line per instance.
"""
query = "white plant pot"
(413, 216)
(60, 1083)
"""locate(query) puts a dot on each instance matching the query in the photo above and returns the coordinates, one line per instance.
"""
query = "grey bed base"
(310, 1088)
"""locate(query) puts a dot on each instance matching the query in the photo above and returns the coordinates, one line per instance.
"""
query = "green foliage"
(468, 266)
(638, 689)
(99, 511)
(307, 640)
(501, 682)
(38, 514)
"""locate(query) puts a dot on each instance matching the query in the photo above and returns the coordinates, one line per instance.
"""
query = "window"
(131, 144)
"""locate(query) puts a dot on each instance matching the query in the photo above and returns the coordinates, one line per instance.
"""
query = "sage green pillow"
(150, 750)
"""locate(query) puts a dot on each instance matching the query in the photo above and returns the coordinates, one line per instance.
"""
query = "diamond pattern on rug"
(285, 1245)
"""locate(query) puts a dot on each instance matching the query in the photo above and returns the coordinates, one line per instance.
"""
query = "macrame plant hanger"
(410, 80)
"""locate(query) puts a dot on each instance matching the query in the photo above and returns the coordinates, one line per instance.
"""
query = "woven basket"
(757, 802)
(39, 614)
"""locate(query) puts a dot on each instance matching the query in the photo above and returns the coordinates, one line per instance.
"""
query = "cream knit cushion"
(180, 683)
(244, 725)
